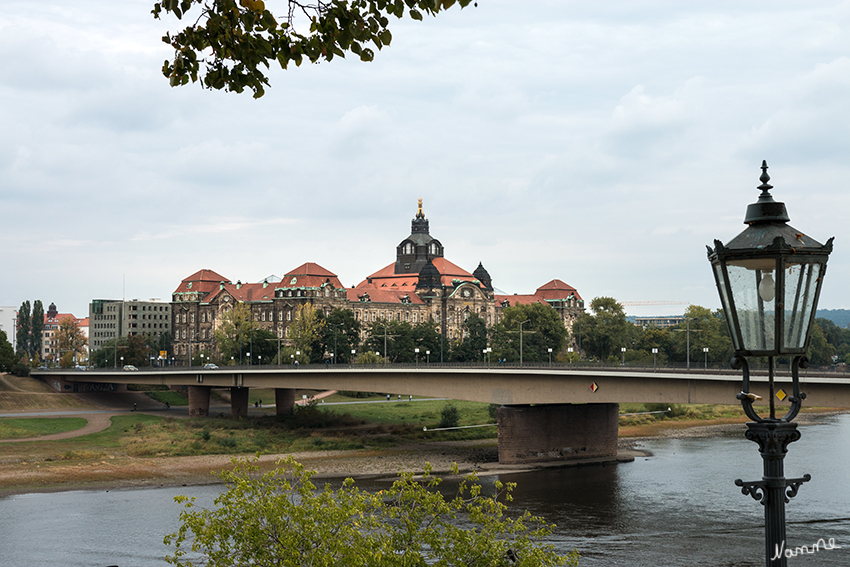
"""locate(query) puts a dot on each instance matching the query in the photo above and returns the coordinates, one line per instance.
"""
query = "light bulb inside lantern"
(767, 287)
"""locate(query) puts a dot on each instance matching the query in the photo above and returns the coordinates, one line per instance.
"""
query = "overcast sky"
(600, 143)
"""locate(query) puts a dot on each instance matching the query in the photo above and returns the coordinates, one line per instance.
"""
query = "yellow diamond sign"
(781, 394)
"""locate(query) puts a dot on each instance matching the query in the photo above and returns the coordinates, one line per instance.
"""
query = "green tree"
(7, 353)
(36, 328)
(426, 338)
(263, 346)
(135, 351)
(474, 341)
(282, 518)
(22, 346)
(107, 355)
(72, 342)
(542, 331)
(230, 45)
(707, 329)
(234, 332)
(340, 333)
(837, 337)
(820, 351)
(606, 330)
(393, 339)
(304, 330)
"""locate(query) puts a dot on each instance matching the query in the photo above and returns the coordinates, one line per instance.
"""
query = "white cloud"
(600, 143)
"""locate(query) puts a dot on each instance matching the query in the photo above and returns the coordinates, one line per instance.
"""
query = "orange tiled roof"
(310, 269)
(206, 276)
(202, 281)
(382, 295)
(248, 292)
(514, 300)
(387, 278)
(309, 275)
(556, 289)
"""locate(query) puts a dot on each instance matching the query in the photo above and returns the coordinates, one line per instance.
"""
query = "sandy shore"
(478, 456)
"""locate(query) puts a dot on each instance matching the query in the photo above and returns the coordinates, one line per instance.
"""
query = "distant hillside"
(840, 317)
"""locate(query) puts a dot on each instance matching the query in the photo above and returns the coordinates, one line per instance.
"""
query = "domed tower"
(483, 276)
(429, 277)
(417, 249)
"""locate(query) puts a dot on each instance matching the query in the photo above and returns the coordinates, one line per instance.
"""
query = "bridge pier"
(239, 402)
(199, 401)
(284, 400)
(557, 432)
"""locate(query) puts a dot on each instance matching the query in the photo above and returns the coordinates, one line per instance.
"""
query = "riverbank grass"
(22, 428)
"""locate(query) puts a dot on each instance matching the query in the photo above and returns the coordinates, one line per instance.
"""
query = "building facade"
(50, 350)
(421, 285)
(113, 318)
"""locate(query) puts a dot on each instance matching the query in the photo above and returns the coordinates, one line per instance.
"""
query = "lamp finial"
(765, 186)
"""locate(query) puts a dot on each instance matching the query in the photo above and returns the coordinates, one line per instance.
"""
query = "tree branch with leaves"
(232, 43)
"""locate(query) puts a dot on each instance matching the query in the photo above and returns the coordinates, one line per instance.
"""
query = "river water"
(677, 507)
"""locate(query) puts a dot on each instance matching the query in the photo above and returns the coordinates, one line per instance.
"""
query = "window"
(264, 316)
(289, 315)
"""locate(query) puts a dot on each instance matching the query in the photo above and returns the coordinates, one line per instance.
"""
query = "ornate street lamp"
(769, 278)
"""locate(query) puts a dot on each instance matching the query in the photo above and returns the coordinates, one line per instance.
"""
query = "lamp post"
(416, 351)
(353, 351)
(336, 325)
(520, 340)
(705, 352)
(769, 279)
(427, 357)
(570, 354)
(623, 350)
(654, 359)
(550, 355)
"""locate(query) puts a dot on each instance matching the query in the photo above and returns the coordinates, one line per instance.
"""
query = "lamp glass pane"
(756, 315)
(727, 309)
(800, 287)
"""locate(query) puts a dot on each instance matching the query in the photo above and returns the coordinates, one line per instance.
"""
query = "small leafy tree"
(23, 337)
(449, 416)
(7, 353)
(234, 332)
(304, 330)
(36, 328)
(341, 331)
(72, 342)
(283, 519)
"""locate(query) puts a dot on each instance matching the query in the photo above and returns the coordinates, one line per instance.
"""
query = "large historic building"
(421, 285)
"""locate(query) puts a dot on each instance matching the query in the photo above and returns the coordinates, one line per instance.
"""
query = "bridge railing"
(755, 367)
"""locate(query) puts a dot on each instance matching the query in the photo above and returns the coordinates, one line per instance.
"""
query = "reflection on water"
(678, 507)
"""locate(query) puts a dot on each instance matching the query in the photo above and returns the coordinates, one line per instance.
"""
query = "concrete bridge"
(546, 413)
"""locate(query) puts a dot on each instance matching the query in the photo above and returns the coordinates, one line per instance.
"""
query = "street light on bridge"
(769, 279)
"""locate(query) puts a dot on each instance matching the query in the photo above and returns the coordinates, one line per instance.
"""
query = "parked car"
(210, 366)
(130, 367)
(80, 367)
